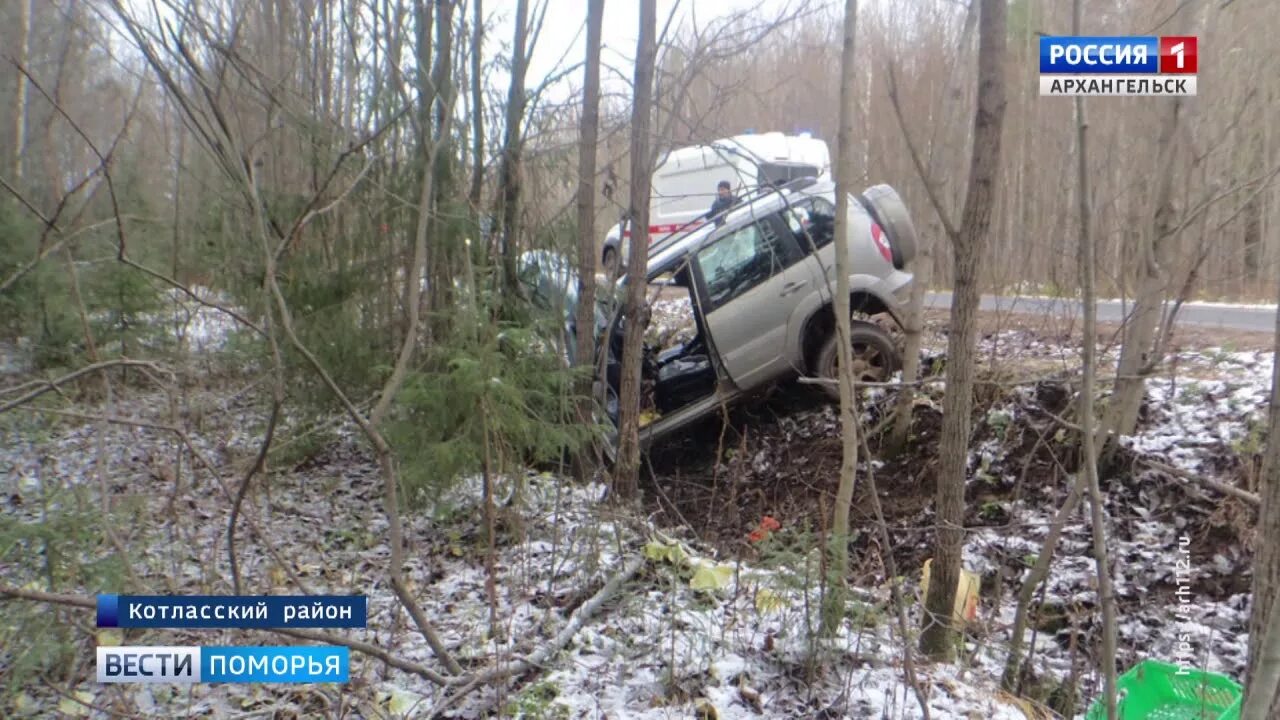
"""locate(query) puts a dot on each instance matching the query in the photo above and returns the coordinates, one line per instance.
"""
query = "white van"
(684, 183)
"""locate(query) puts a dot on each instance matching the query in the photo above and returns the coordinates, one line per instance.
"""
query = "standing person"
(724, 199)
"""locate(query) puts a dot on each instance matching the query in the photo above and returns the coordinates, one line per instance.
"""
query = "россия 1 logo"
(1118, 65)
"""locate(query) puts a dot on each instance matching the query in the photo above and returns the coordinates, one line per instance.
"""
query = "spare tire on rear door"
(890, 213)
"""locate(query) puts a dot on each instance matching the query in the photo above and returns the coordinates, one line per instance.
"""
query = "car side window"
(742, 259)
(812, 222)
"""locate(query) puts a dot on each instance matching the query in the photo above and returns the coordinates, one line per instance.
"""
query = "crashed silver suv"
(760, 279)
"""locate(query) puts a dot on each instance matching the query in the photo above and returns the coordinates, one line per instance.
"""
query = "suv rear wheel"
(875, 358)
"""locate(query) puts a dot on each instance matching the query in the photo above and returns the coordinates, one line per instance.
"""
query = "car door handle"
(792, 287)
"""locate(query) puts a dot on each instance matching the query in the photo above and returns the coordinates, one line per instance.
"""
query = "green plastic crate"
(1153, 690)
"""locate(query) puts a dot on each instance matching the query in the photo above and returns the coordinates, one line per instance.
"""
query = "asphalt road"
(1246, 318)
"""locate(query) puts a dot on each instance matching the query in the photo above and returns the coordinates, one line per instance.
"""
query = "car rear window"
(812, 221)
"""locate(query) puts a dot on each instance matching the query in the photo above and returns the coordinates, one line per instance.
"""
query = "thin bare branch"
(944, 216)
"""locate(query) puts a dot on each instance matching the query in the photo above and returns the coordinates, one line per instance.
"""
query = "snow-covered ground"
(202, 326)
(198, 327)
(690, 630)
(659, 649)
(1180, 566)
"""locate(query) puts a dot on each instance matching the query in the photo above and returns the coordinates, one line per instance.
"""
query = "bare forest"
(318, 297)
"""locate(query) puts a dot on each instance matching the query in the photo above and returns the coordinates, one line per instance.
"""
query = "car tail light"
(882, 242)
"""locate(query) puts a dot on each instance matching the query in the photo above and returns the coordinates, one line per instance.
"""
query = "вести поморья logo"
(1118, 65)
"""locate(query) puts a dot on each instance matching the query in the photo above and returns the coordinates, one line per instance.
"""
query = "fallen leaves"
(703, 709)
(76, 705)
(111, 637)
(707, 575)
(710, 576)
(768, 601)
(671, 553)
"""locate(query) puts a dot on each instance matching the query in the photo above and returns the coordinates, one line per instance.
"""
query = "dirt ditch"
(780, 456)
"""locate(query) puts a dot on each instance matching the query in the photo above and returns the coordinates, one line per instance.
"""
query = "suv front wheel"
(875, 358)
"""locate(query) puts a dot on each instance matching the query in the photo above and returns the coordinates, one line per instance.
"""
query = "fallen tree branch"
(539, 657)
(580, 617)
(259, 465)
(1221, 487)
(200, 460)
(318, 637)
(372, 651)
(465, 683)
(75, 699)
(469, 682)
(238, 317)
(1210, 483)
(51, 598)
(50, 385)
(451, 700)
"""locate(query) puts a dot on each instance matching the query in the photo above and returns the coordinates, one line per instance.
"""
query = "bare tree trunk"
(20, 101)
(968, 244)
(1088, 448)
(1266, 563)
(584, 351)
(923, 264)
(1013, 664)
(511, 151)
(179, 160)
(1025, 159)
(477, 107)
(838, 565)
(627, 471)
(913, 331)
(440, 271)
(1260, 694)
(1251, 251)
(1140, 327)
(415, 267)
(1138, 349)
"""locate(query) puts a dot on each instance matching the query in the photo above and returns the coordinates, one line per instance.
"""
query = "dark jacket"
(720, 205)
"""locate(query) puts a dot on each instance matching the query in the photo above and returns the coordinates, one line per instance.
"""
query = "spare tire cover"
(887, 209)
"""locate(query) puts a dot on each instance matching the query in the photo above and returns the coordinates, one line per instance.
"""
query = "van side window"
(744, 258)
(781, 173)
(812, 220)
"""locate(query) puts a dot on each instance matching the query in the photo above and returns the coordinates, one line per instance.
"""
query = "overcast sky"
(563, 37)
